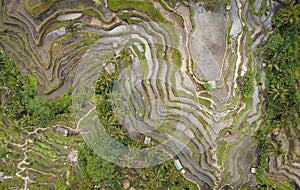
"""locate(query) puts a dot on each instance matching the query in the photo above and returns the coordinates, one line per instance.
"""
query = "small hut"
(62, 130)
(147, 140)
(178, 164)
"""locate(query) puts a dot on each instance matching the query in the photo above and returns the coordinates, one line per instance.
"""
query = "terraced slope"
(196, 88)
(41, 159)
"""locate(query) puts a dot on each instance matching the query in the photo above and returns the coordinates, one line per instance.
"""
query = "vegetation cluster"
(282, 57)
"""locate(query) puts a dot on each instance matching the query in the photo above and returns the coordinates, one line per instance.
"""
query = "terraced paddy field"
(191, 79)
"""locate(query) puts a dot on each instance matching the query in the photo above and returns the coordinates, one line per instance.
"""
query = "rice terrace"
(150, 94)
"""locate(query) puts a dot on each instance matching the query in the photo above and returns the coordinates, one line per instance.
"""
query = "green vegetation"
(19, 98)
(246, 85)
(281, 52)
(71, 27)
(94, 171)
(283, 61)
(17, 88)
(21, 112)
(98, 2)
(37, 7)
(146, 7)
(207, 86)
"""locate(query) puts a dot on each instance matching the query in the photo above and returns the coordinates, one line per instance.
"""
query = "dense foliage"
(283, 60)
(18, 99)
(282, 55)
(246, 86)
(96, 173)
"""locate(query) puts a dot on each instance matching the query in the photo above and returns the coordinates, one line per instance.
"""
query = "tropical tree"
(156, 178)
(107, 121)
(286, 110)
(136, 144)
(114, 97)
(143, 172)
(125, 57)
(98, 98)
(273, 63)
(289, 16)
(94, 171)
(277, 91)
(105, 78)
(118, 113)
(276, 149)
(119, 133)
(127, 159)
(172, 174)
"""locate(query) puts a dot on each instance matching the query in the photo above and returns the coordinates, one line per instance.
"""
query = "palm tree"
(97, 98)
(143, 172)
(125, 57)
(118, 133)
(272, 65)
(127, 159)
(152, 155)
(117, 181)
(107, 121)
(286, 111)
(276, 150)
(291, 15)
(156, 178)
(114, 97)
(118, 113)
(105, 78)
(172, 175)
(277, 91)
(135, 144)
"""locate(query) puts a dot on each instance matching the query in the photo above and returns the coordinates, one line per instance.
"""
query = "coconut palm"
(118, 133)
(135, 144)
(114, 97)
(127, 159)
(286, 110)
(143, 172)
(272, 65)
(156, 178)
(107, 121)
(291, 15)
(97, 98)
(276, 149)
(125, 56)
(105, 79)
(172, 175)
(277, 91)
(118, 113)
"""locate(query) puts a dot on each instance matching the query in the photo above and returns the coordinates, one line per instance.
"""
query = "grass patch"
(36, 8)
(143, 6)
(221, 152)
(176, 57)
